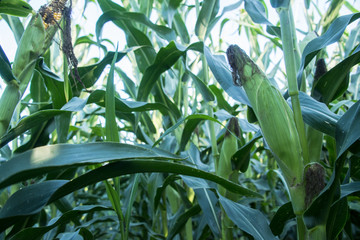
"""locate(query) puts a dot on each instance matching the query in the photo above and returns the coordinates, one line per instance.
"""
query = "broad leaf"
(256, 11)
(332, 35)
(113, 15)
(282, 215)
(336, 81)
(33, 233)
(348, 129)
(42, 160)
(220, 69)
(5, 67)
(247, 219)
(15, 7)
(207, 13)
(317, 114)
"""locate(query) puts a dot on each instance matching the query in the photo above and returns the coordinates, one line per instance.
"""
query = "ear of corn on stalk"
(223, 168)
(34, 42)
(275, 118)
(229, 147)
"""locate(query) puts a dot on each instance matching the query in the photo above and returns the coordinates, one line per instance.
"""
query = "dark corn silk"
(320, 69)
(314, 182)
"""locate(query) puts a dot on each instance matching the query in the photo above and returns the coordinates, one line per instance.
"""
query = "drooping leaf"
(202, 88)
(113, 15)
(41, 160)
(282, 215)
(241, 159)
(247, 219)
(337, 218)
(208, 203)
(207, 13)
(317, 114)
(182, 219)
(5, 67)
(98, 97)
(140, 166)
(29, 122)
(348, 129)
(349, 188)
(220, 69)
(27, 201)
(165, 59)
(256, 11)
(15, 7)
(332, 35)
(90, 74)
(34, 232)
(49, 191)
(336, 81)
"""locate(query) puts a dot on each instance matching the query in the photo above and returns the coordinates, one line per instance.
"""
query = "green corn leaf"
(282, 215)
(317, 114)
(113, 15)
(53, 190)
(207, 13)
(15, 7)
(145, 55)
(15, 25)
(35, 232)
(41, 160)
(111, 128)
(165, 59)
(348, 129)
(5, 67)
(182, 219)
(203, 89)
(332, 35)
(256, 10)
(90, 74)
(247, 219)
(336, 81)
(98, 97)
(218, 66)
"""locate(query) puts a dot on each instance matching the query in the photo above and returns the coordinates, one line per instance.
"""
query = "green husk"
(34, 42)
(276, 120)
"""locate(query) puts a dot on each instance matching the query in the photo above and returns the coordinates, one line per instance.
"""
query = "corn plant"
(179, 130)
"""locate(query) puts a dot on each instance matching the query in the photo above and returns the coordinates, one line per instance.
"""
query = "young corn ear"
(273, 113)
(223, 168)
(229, 147)
(34, 42)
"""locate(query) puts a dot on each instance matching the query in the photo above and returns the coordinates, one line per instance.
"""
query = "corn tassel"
(276, 120)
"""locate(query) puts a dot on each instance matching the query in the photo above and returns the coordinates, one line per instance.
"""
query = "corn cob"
(229, 147)
(274, 115)
(223, 168)
(34, 42)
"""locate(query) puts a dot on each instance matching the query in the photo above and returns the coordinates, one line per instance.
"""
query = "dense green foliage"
(163, 139)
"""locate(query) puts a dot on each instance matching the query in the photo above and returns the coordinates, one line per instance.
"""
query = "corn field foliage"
(170, 130)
